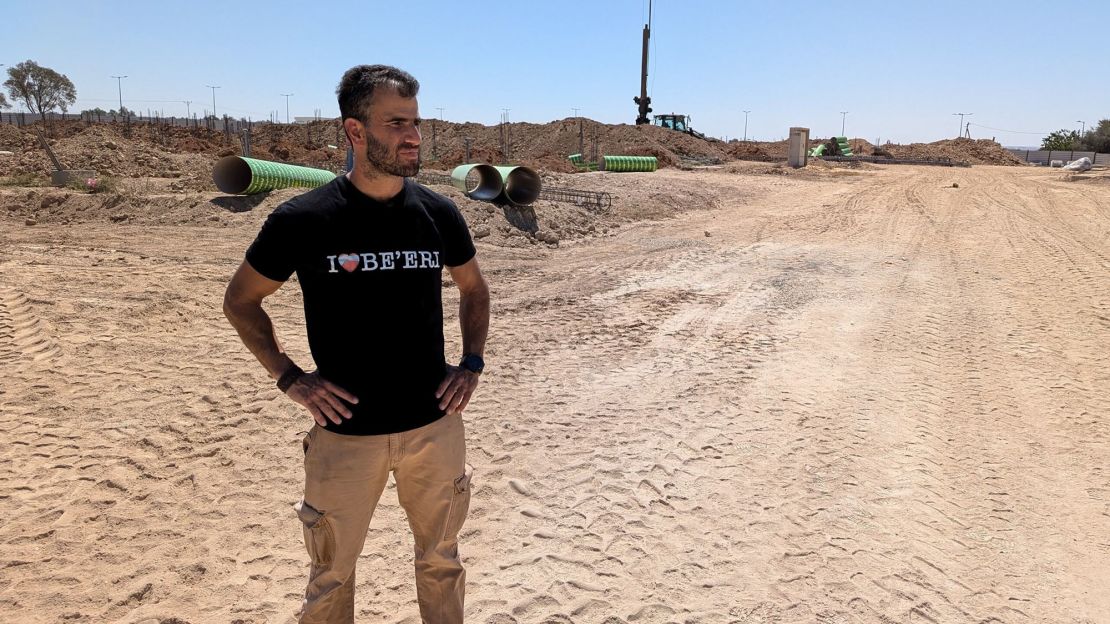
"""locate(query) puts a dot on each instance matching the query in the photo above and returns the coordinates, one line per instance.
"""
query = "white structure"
(798, 155)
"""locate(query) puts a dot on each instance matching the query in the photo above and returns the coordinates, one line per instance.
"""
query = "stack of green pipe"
(247, 176)
(845, 148)
(629, 163)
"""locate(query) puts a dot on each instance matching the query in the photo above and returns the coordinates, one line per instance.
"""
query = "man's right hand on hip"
(321, 398)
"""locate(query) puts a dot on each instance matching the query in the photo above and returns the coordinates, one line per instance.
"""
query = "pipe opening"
(232, 175)
(522, 186)
(480, 182)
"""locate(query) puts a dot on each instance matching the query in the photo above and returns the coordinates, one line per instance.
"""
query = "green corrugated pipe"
(629, 163)
(478, 181)
(581, 165)
(247, 176)
(522, 185)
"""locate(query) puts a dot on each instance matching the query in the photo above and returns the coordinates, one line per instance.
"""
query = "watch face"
(472, 363)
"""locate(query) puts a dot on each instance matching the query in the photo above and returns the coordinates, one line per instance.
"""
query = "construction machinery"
(679, 123)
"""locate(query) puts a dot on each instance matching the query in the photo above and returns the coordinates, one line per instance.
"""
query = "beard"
(378, 157)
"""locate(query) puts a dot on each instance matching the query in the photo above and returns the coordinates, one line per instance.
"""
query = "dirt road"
(834, 398)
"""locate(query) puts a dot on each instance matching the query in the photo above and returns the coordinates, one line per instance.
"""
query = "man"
(368, 249)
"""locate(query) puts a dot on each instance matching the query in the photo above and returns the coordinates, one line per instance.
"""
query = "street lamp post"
(213, 98)
(1082, 128)
(843, 121)
(286, 96)
(119, 85)
(961, 130)
(746, 124)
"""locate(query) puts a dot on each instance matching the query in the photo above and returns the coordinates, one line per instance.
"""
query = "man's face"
(393, 135)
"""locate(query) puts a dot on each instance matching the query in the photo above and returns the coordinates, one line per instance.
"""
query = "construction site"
(728, 381)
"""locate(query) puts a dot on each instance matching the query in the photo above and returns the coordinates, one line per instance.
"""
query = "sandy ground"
(853, 398)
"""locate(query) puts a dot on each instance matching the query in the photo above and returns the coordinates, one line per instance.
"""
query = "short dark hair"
(356, 89)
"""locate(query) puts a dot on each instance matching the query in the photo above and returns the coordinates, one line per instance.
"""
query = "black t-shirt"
(371, 277)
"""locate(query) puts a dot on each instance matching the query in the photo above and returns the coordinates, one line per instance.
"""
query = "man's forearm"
(474, 320)
(257, 332)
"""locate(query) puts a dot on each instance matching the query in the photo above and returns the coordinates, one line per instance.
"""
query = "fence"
(1045, 157)
(276, 138)
(223, 124)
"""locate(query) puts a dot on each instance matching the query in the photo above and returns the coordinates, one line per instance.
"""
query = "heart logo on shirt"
(348, 261)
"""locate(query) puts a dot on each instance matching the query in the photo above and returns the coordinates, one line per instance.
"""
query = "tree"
(1097, 139)
(1061, 140)
(4, 102)
(40, 88)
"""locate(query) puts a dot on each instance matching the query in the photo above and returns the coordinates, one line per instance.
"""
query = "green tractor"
(679, 123)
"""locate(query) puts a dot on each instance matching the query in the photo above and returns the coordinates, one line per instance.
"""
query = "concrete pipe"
(478, 181)
(522, 185)
(247, 176)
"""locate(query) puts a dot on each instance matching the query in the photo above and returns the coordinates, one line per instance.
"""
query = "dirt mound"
(972, 151)
(755, 150)
(546, 146)
(156, 201)
(143, 150)
(775, 151)
(186, 155)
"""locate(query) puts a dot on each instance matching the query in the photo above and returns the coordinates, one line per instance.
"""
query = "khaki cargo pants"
(344, 478)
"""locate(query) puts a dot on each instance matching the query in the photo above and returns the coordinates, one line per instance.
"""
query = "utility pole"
(581, 134)
(746, 124)
(506, 137)
(1083, 128)
(843, 120)
(213, 98)
(286, 96)
(958, 134)
(119, 85)
(440, 109)
(642, 100)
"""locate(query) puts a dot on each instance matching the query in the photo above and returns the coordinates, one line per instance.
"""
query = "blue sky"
(900, 69)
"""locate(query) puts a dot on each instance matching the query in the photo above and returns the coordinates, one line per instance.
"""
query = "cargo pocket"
(318, 536)
(460, 505)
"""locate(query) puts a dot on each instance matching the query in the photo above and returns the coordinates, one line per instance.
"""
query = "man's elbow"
(476, 291)
(229, 307)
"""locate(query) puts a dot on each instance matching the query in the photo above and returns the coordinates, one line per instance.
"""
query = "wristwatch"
(473, 363)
